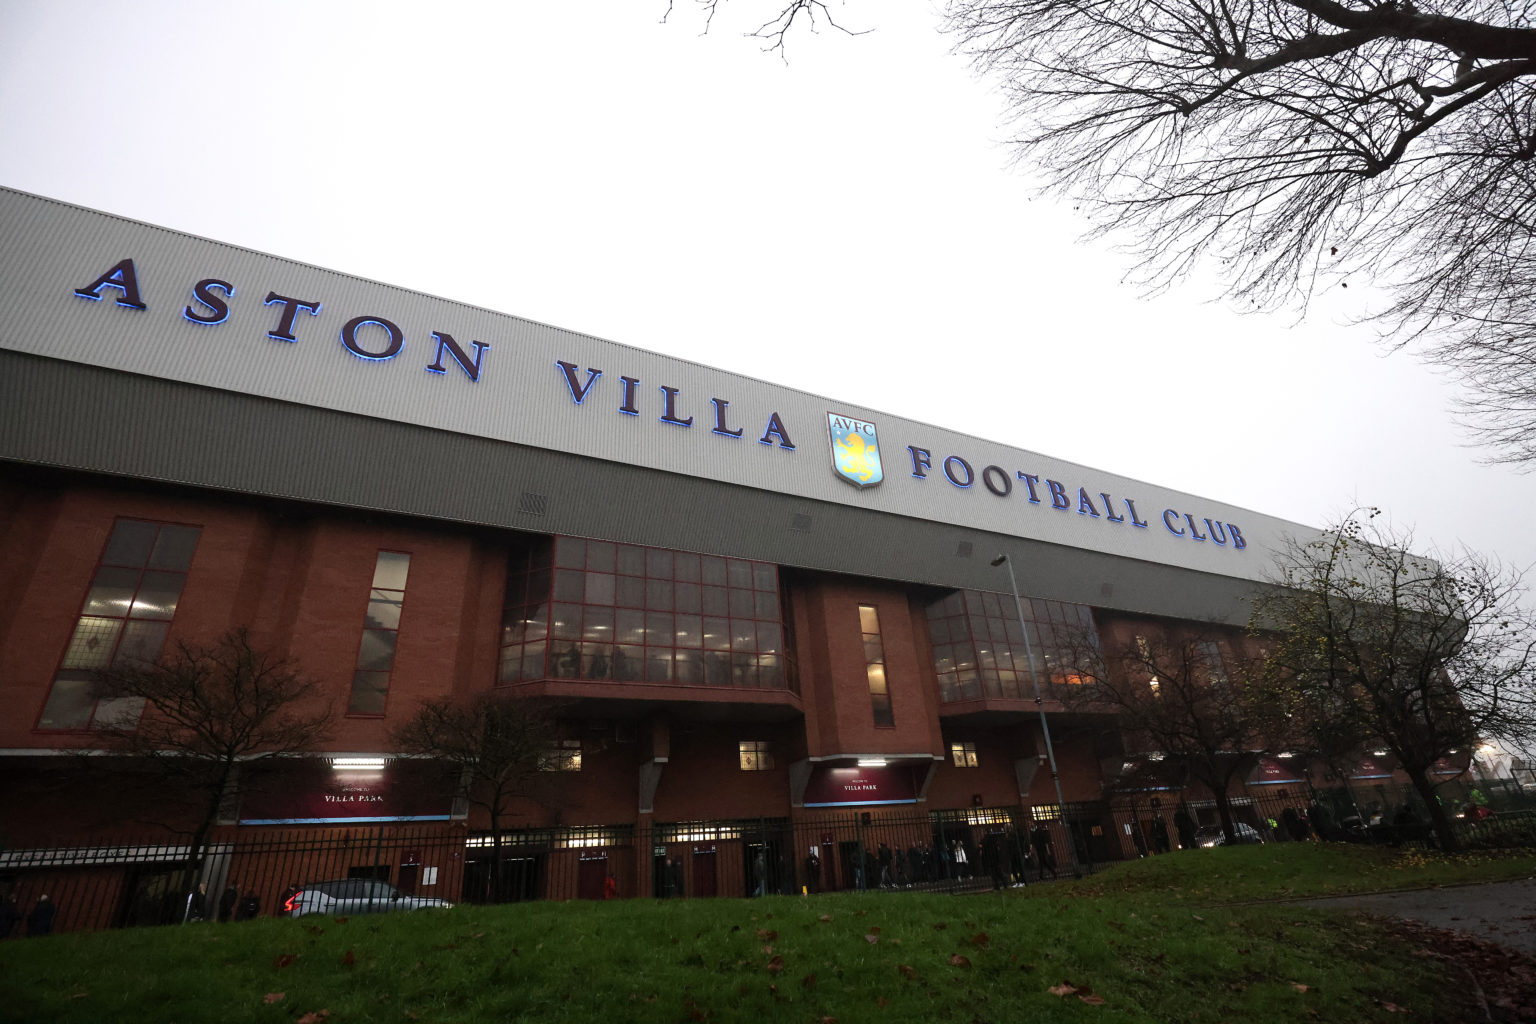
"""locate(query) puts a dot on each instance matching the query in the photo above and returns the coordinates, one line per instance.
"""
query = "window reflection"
(624, 613)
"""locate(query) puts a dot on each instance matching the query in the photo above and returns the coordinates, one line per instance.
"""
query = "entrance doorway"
(705, 872)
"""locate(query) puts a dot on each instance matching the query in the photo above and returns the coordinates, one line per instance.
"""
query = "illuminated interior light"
(354, 764)
(872, 762)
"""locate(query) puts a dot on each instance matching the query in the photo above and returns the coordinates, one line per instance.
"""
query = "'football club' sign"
(855, 450)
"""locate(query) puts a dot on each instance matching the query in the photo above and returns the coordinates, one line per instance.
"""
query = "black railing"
(255, 872)
(250, 872)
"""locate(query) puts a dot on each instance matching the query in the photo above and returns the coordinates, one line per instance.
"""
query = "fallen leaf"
(1066, 988)
(78, 995)
(273, 997)
(1092, 1000)
(1197, 917)
(871, 939)
(882, 1002)
(776, 964)
(824, 918)
(284, 959)
(339, 920)
(809, 981)
(1298, 986)
(767, 951)
(347, 959)
(980, 939)
(874, 929)
(906, 971)
(940, 926)
(959, 961)
(1392, 1007)
(318, 1017)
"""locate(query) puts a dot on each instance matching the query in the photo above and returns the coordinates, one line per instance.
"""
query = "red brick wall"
(834, 682)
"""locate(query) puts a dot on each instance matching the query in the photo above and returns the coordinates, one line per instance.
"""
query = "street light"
(1045, 726)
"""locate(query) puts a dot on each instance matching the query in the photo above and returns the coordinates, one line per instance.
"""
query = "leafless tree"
(808, 14)
(1292, 145)
(1296, 143)
(495, 745)
(1425, 655)
(203, 714)
(1182, 699)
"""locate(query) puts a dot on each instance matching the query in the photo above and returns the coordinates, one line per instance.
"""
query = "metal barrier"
(250, 872)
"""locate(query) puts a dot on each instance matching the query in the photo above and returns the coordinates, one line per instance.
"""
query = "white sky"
(846, 223)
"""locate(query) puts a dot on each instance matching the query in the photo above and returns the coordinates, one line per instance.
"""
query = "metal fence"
(254, 872)
(251, 872)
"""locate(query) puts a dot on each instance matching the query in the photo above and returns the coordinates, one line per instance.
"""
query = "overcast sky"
(848, 223)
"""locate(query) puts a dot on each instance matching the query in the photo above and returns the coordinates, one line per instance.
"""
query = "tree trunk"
(1445, 828)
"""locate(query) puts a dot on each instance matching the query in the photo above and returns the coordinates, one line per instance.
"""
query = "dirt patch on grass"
(1495, 983)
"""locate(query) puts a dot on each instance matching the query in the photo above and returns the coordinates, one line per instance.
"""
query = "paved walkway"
(1502, 912)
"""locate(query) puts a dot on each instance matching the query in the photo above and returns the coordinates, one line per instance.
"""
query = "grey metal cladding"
(523, 399)
(65, 414)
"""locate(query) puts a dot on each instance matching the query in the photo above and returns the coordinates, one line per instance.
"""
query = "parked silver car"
(1214, 836)
(353, 896)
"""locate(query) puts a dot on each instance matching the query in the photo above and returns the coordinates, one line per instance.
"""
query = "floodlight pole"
(1045, 726)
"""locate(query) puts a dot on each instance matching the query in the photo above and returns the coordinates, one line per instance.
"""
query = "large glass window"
(381, 628)
(874, 666)
(595, 610)
(133, 597)
(979, 645)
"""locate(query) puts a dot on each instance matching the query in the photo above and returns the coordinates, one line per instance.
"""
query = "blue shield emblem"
(855, 450)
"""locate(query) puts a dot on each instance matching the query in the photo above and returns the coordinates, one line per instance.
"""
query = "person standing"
(1184, 824)
(227, 903)
(10, 915)
(40, 921)
(197, 904)
(1160, 841)
(1045, 850)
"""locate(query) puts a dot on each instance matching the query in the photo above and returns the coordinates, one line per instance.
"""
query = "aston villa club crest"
(855, 450)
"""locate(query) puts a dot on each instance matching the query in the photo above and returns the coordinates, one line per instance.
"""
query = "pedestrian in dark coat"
(40, 921)
(250, 907)
(1045, 853)
(1160, 835)
(10, 915)
(1184, 824)
(227, 903)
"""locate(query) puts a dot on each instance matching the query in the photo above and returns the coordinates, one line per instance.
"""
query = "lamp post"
(1045, 726)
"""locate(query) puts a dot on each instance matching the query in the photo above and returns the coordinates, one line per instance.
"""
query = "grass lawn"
(1174, 938)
